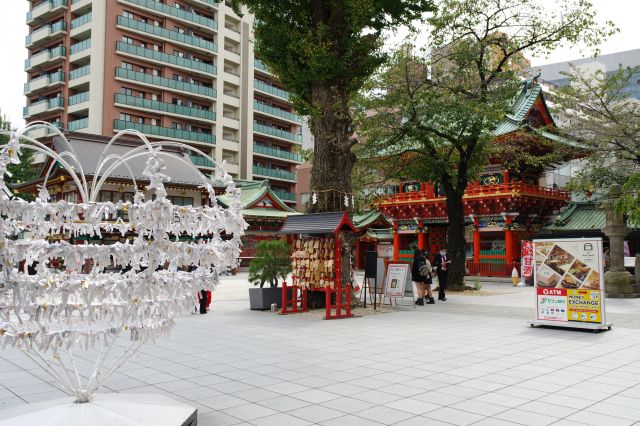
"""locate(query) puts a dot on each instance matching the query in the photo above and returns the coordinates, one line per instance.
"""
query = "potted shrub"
(272, 262)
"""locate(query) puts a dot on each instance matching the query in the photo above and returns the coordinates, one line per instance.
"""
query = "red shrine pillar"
(476, 240)
(422, 240)
(396, 242)
(508, 240)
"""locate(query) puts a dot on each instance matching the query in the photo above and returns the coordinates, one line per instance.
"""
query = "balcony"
(167, 108)
(274, 173)
(165, 59)
(81, 20)
(75, 125)
(45, 10)
(45, 82)
(77, 5)
(164, 132)
(258, 64)
(46, 33)
(271, 90)
(78, 102)
(201, 161)
(276, 112)
(44, 132)
(155, 81)
(79, 47)
(174, 13)
(173, 36)
(79, 72)
(47, 105)
(277, 153)
(272, 131)
(285, 196)
(46, 58)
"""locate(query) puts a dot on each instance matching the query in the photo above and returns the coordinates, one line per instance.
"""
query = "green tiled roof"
(380, 234)
(251, 193)
(579, 217)
(529, 92)
(267, 213)
(367, 218)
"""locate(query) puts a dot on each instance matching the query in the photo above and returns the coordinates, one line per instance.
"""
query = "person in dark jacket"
(416, 277)
(441, 263)
(202, 299)
(428, 280)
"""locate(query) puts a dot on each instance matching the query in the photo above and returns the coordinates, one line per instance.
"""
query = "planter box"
(262, 298)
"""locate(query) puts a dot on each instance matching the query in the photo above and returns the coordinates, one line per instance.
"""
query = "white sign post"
(569, 282)
(395, 283)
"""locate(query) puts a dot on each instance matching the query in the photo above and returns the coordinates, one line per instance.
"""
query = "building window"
(178, 53)
(178, 29)
(178, 77)
(154, 97)
(141, 120)
(126, 91)
(125, 117)
(127, 14)
(180, 201)
(127, 40)
(176, 101)
(155, 72)
(154, 122)
(176, 126)
(127, 66)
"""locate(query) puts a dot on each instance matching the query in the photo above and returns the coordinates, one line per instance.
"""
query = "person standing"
(202, 301)
(416, 276)
(441, 262)
(427, 273)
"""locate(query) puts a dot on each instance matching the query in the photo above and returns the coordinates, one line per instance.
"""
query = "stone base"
(103, 410)
(623, 295)
(620, 284)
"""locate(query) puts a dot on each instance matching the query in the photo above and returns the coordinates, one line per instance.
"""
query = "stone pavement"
(470, 360)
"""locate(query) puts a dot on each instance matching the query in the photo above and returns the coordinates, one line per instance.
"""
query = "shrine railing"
(491, 269)
(514, 188)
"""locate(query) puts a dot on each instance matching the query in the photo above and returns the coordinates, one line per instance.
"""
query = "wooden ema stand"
(300, 296)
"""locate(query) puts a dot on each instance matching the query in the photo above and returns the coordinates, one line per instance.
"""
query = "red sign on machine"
(527, 259)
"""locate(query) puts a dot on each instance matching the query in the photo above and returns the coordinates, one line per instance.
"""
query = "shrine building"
(502, 208)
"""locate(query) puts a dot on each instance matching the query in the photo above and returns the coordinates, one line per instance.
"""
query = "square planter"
(262, 298)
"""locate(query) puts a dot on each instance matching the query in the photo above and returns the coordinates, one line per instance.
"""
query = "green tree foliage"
(323, 51)
(271, 262)
(607, 121)
(20, 173)
(435, 111)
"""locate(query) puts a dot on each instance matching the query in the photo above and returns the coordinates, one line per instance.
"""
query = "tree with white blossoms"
(54, 313)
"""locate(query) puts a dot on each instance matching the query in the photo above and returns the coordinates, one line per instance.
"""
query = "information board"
(569, 282)
(396, 279)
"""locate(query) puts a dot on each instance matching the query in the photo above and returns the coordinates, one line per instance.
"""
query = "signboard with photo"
(569, 281)
(396, 279)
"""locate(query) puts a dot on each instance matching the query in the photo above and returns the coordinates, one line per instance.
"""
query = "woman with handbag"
(427, 272)
(416, 276)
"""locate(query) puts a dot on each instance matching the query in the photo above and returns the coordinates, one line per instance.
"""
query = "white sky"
(625, 14)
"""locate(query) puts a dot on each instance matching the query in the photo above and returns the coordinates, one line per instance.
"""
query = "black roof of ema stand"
(318, 223)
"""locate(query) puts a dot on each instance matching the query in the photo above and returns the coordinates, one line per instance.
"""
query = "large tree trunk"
(332, 156)
(456, 243)
(332, 160)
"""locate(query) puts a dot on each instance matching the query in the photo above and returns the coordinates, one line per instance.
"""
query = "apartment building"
(174, 70)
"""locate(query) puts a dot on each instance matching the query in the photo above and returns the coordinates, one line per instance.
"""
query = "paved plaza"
(470, 360)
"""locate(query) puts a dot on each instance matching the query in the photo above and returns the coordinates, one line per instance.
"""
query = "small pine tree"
(272, 261)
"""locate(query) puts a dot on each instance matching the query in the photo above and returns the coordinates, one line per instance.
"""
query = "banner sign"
(527, 259)
(569, 280)
(396, 279)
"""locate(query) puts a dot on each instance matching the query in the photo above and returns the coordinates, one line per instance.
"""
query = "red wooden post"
(476, 240)
(508, 240)
(284, 309)
(422, 243)
(396, 242)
